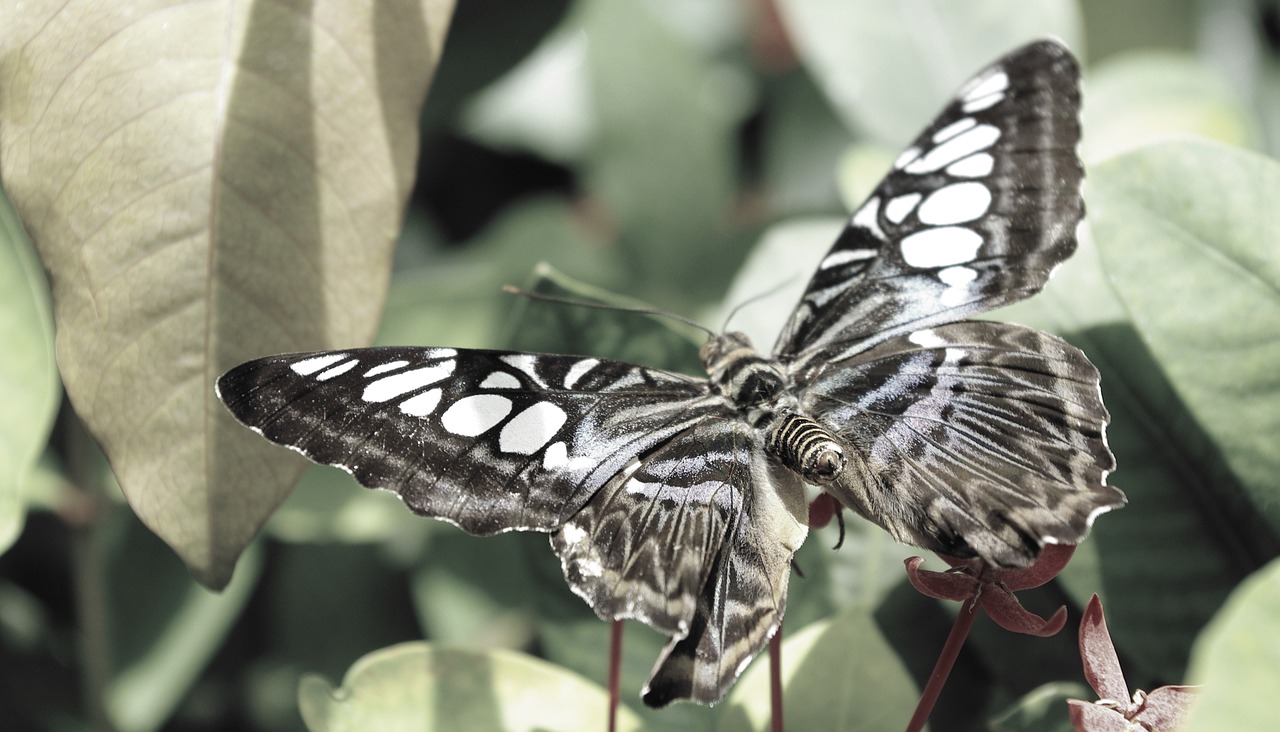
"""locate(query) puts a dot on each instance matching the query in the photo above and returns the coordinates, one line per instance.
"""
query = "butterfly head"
(740, 373)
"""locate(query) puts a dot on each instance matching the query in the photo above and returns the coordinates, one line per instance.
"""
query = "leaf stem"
(84, 509)
(946, 660)
(775, 681)
(615, 669)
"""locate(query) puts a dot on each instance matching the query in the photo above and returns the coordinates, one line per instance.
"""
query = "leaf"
(206, 184)
(1041, 710)
(1237, 658)
(29, 388)
(1187, 233)
(1141, 98)
(419, 687)
(647, 339)
(887, 67)
(164, 637)
(836, 674)
(1178, 535)
(662, 162)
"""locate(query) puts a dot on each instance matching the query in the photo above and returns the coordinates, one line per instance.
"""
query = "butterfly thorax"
(756, 385)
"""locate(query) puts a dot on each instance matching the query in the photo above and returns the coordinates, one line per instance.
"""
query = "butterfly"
(680, 501)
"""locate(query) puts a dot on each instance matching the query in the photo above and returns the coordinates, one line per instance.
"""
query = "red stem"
(946, 660)
(615, 668)
(775, 681)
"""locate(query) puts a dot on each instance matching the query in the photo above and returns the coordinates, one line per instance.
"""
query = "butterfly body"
(680, 501)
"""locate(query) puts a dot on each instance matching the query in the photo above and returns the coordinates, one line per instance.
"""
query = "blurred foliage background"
(688, 154)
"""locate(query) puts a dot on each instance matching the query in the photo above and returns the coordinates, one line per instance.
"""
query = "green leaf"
(662, 162)
(1187, 233)
(206, 184)
(647, 339)
(162, 638)
(1237, 658)
(29, 388)
(771, 281)
(836, 674)
(887, 68)
(1168, 540)
(418, 687)
(1147, 97)
(1042, 710)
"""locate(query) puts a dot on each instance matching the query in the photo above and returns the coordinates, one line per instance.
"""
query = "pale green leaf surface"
(1042, 710)
(418, 687)
(1188, 234)
(1163, 543)
(889, 67)
(1237, 658)
(662, 159)
(208, 183)
(1148, 97)
(173, 632)
(836, 674)
(29, 388)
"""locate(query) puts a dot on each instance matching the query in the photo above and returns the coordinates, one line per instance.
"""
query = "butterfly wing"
(711, 516)
(975, 213)
(488, 440)
(973, 438)
(653, 486)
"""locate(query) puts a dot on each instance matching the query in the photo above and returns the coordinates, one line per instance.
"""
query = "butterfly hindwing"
(975, 213)
(973, 438)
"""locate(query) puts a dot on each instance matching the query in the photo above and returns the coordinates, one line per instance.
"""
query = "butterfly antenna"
(755, 298)
(513, 290)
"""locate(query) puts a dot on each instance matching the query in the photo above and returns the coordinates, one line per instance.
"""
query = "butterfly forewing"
(975, 213)
(488, 440)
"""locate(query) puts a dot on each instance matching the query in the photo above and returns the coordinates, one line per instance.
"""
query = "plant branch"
(946, 660)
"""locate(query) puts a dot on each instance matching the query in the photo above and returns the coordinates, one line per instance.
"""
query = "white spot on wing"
(557, 457)
(941, 247)
(526, 364)
(974, 166)
(579, 370)
(309, 366)
(474, 415)
(390, 387)
(905, 157)
(899, 207)
(383, 368)
(955, 204)
(996, 83)
(500, 380)
(957, 280)
(573, 534)
(978, 105)
(962, 145)
(866, 217)
(338, 370)
(926, 339)
(529, 430)
(953, 129)
(420, 405)
(844, 256)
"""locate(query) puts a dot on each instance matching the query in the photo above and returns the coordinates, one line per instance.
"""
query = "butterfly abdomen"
(805, 446)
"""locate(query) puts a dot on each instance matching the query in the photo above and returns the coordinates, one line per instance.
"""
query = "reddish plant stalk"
(946, 660)
(615, 671)
(775, 681)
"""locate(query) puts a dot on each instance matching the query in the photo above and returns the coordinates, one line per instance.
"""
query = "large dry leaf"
(205, 183)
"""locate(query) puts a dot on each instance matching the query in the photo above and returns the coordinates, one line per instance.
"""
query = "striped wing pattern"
(680, 502)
